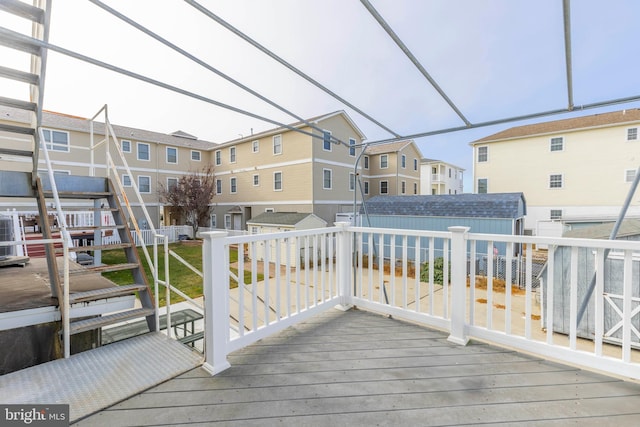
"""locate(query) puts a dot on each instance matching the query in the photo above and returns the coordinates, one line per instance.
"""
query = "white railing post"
(216, 301)
(458, 285)
(343, 265)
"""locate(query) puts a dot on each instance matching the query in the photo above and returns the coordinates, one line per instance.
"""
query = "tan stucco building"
(572, 172)
(280, 170)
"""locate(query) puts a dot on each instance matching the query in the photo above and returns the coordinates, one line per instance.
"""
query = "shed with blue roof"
(494, 213)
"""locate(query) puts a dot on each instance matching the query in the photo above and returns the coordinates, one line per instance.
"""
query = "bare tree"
(191, 196)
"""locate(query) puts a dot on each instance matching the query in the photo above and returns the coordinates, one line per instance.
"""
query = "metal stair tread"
(24, 130)
(18, 75)
(97, 322)
(90, 227)
(103, 293)
(18, 103)
(79, 194)
(23, 10)
(96, 247)
(14, 152)
(104, 269)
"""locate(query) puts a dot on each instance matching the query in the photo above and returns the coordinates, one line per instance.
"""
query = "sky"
(494, 59)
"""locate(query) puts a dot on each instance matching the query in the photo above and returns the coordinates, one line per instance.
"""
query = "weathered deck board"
(358, 368)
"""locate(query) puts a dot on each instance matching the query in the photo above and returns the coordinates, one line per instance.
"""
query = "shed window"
(632, 134)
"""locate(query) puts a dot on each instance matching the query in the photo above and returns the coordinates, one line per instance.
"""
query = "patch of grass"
(181, 277)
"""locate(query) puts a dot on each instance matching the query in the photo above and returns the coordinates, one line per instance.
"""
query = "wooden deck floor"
(357, 368)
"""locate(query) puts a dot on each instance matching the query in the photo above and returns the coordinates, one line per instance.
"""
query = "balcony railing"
(458, 281)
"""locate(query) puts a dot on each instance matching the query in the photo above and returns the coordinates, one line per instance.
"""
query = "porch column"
(343, 265)
(458, 285)
(216, 301)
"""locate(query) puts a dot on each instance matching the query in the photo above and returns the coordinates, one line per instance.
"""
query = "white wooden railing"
(379, 269)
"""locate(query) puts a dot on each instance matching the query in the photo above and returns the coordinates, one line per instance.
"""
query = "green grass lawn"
(181, 277)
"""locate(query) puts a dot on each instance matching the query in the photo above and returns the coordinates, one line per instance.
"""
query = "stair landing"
(95, 379)
(24, 288)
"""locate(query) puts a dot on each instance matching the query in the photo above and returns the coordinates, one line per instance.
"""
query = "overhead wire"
(398, 41)
(288, 65)
(206, 65)
(7, 34)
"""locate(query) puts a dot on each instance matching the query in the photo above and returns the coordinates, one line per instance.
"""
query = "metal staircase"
(49, 189)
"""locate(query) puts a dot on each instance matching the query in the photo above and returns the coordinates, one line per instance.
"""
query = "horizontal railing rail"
(466, 283)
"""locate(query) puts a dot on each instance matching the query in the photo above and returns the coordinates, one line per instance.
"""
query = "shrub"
(438, 271)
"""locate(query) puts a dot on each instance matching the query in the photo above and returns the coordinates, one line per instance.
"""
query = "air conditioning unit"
(6, 235)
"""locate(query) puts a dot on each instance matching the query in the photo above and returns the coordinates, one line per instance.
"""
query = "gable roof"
(492, 205)
(629, 227)
(389, 147)
(74, 123)
(297, 125)
(576, 123)
(280, 218)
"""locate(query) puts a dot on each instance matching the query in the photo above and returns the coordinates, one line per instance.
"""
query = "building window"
(126, 181)
(56, 140)
(326, 140)
(256, 180)
(415, 188)
(555, 181)
(326, 179)
(384, 161)
(632, 134)
(277, 181)
(483, 186)
(144, 151)
(366, 187)
(255, 146)
(172, 155)
(449, 172)
(415, 164)
(629, 175)
(403, 161)
(352, 181)
(218, 158)
(233, 184)
(218, 186)
(195, 156)
(366, 162)
(144, 184)
(483, 154)
(227, 221)
(555, 214)
(403, 187)
(172, 183)
(277, 144)
(232, 154)
(352, 147)
(214, 221)
(125, 145)
(557, 144)
(384, 187)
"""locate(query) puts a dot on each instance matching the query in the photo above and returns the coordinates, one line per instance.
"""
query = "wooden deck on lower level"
(358, 368)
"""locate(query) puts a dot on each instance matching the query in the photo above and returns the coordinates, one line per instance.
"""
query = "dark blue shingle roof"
(498, 205)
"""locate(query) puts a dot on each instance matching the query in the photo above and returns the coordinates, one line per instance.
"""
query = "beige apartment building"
(153, 158)
(280, 170)
(392, 169)
(573, 172)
